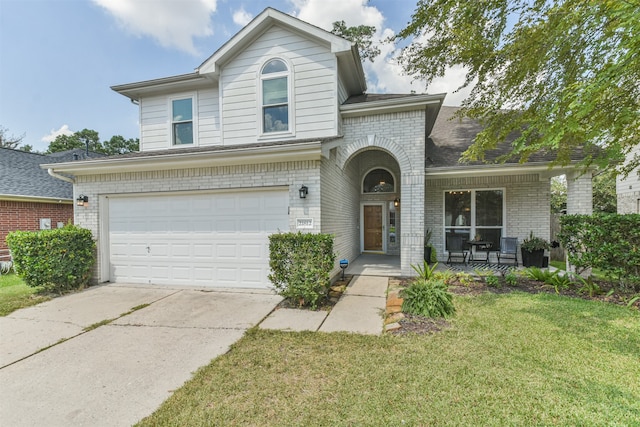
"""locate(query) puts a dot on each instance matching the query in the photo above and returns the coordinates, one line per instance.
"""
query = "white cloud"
(173, 24)
(242, 17)
(385, 74)
(64, 130)
(323, 13)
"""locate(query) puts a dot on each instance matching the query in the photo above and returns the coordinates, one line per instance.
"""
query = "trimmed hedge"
(57, 260)
(608, 242)
(301, 265)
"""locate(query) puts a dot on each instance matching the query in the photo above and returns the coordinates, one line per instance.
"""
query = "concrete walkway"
(60, 366)
(359, 310)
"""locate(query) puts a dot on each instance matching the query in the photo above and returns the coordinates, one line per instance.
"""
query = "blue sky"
(58, 58)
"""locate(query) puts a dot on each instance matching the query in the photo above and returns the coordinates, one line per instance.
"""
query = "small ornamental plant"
(534, 243)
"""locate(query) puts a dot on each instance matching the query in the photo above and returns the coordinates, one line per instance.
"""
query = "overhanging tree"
(562, 75)
(9, 141)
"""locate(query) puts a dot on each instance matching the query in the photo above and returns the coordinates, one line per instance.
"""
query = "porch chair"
(456, 247)
(508, 250)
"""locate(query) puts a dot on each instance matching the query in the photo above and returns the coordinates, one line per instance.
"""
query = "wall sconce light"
(82, 200)
(303, 192)
(396, 202)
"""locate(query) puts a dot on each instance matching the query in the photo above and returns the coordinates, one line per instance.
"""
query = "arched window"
(378, 181)
(274, 79)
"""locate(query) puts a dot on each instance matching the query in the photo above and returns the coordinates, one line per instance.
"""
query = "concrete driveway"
(112, 354)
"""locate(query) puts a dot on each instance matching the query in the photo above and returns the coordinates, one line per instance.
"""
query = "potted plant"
(428, 249)
(533, 248)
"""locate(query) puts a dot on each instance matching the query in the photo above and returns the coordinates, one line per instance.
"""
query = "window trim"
(194, 119)
(290, 98)
(364, 176)
(472, 227)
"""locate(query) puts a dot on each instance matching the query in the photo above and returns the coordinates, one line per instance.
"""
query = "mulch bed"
(412, 324)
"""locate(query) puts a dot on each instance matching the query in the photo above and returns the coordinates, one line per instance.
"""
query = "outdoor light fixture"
(396, 202)
(303, 192)
(82, 200)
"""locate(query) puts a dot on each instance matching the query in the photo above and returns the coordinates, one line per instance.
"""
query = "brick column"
(579, 193)
(579, 199)
(412, 220)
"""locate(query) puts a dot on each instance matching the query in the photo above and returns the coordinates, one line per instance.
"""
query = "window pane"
(274, 91)
(183, 133)
(457, 208)
(489, 208)
(276, 119)
(378, 181)
(182, 110)
(274, 66)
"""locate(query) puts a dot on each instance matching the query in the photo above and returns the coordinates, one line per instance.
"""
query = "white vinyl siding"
(313, 89)
(208, 117)
(155, 117)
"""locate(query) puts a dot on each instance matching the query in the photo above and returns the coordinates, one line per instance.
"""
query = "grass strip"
(508, 359)
(15, 294)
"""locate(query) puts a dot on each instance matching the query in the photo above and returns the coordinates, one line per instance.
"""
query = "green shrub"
(301, 266)
(57, 260)
(608, 242)
(492, 281)
(538, 274)
(430, 298)
(424, 271)
(511, 278)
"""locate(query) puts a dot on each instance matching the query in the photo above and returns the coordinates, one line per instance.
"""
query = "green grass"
(15, 294)
(508, 359)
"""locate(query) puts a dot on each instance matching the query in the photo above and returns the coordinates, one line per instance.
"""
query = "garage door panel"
(204, 240)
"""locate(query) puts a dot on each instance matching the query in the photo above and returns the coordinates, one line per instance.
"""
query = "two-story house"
(275, 132)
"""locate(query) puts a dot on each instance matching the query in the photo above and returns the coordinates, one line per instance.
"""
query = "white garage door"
(213, 240)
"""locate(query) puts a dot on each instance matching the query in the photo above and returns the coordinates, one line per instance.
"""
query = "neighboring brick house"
(30, 198)
(275, 132)
(628, 189)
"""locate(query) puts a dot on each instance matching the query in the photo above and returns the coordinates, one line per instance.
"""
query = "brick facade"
(25, 216)
(527, 200)
(401, 137)
(99, 188)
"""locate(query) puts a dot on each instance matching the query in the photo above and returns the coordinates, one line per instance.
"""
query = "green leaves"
(57, 260)
(429, 298)
(555, 76)
(301, 265)
(608, 242)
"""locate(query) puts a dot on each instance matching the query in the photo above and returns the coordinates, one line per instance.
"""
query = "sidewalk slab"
(368, 286)
(290, 319)
(357, 314)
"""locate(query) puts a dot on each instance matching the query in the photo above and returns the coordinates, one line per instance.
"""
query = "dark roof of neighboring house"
(451, 136)
(21, 174)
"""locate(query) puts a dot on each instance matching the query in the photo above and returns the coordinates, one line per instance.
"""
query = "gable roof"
(209, 70)
(345, 50)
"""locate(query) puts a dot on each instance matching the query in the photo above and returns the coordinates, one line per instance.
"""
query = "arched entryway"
(379, 180)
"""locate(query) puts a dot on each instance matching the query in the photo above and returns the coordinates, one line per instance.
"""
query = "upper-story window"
(182, 121)
(275, 96)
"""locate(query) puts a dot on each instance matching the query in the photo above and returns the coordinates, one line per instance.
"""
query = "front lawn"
(506, 359)
(15, 294)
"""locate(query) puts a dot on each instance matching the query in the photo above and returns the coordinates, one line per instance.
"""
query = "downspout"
(62, 177)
